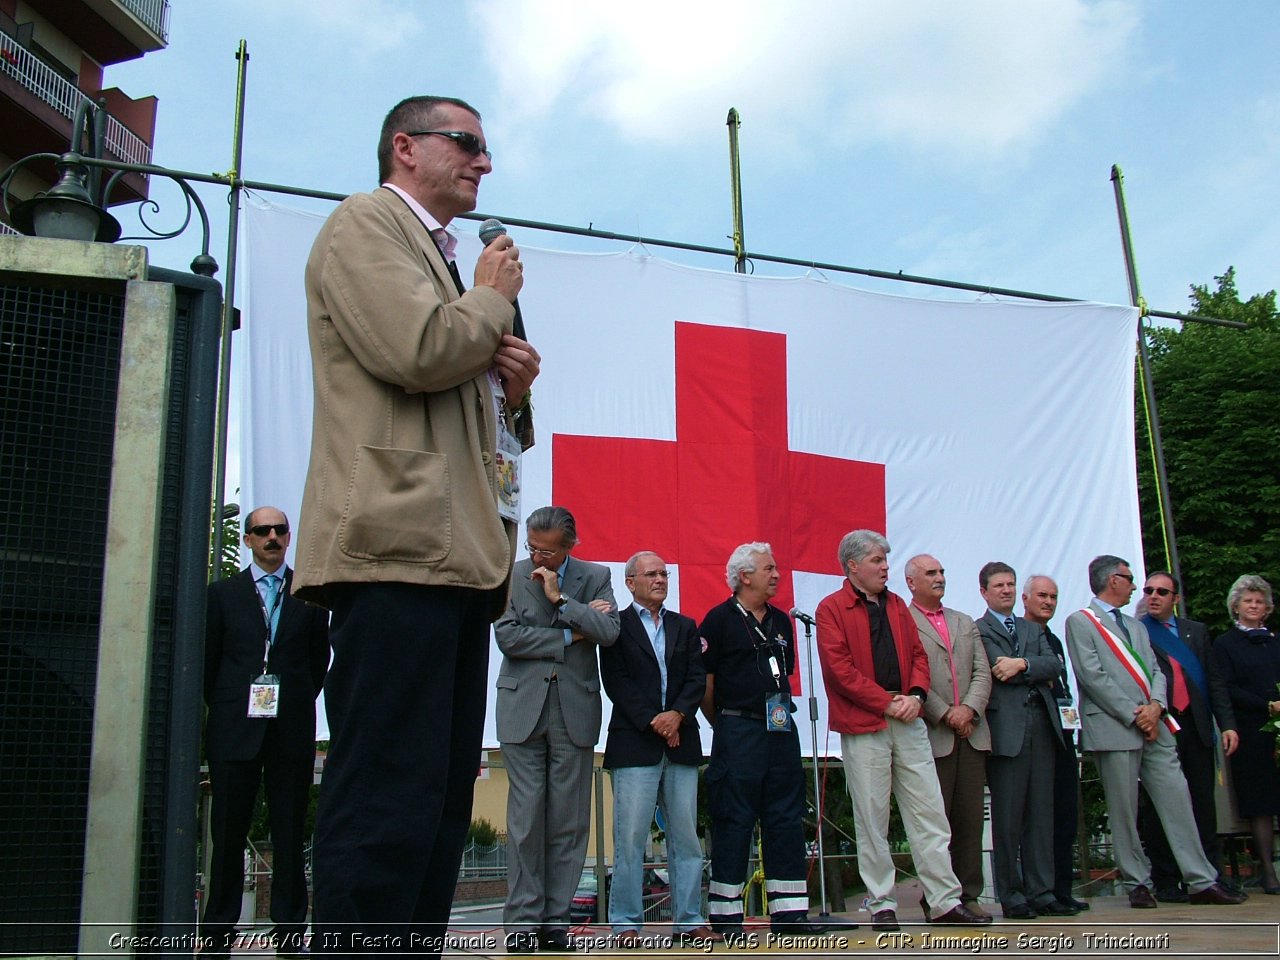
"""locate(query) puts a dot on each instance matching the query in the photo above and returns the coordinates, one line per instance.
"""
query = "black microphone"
(798, 614)
(491, 230)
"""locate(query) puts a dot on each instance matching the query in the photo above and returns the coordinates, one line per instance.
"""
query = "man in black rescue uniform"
(755, 772)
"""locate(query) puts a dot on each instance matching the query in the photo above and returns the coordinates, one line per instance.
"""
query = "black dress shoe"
(1021, 911)
(1171, 895)
(963, 915)
(1056, 908)
(885, 921)
(1140, 898)
(556, 940)
(521, 942)
(1216, 894)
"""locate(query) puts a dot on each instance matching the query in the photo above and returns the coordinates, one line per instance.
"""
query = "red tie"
(1181, 699)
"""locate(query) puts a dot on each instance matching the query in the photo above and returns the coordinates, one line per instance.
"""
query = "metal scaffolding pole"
(1148, 388)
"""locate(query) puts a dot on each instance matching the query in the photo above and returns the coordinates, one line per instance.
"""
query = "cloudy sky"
(968, 141)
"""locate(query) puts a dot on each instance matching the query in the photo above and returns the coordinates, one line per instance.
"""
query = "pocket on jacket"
(507, 683)
(397, 506)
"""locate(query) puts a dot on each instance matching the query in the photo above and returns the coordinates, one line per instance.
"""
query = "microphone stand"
(825, 917)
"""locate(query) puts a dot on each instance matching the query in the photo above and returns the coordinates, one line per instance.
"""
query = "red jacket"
(855, 701)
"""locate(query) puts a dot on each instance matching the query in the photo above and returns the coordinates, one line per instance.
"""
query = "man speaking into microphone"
(409, 521)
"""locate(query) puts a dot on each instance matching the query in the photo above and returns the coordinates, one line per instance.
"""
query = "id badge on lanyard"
(264, 691)
(777, 713)
(506, 458)
(777, 708)
(264, 696)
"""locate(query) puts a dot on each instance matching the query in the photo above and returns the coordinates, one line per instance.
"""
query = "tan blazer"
(401, 484)
(973, 677)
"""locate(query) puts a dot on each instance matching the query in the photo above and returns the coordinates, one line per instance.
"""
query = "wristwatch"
(562, 602)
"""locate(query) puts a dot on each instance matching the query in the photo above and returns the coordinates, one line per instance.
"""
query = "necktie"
(457, 277)
(1181, 697)
(273, 592)
(1115, 612)
(1013, 635)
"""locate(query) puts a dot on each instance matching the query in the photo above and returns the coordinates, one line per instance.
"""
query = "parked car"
(582, 909)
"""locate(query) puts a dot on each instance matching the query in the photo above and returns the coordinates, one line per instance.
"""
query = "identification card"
(507, 462)
(777, 713)
(1068, 715)
(264, 696)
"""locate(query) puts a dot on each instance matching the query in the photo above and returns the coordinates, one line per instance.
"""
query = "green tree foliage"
(1218, 392)
(227, 535)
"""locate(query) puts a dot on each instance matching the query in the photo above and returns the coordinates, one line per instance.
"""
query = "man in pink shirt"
(960, 685)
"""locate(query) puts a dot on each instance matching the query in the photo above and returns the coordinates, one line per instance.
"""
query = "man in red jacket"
(877, 678)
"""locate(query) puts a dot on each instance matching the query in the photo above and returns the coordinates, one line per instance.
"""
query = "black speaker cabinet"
(108, 380)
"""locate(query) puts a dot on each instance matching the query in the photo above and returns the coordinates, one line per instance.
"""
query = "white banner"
(687, 411)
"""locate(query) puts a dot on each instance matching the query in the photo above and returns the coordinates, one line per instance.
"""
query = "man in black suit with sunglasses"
(266, 654)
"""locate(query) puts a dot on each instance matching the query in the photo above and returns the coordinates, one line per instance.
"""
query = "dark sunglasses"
(1158, 591)
(262, 529)
(469, 143)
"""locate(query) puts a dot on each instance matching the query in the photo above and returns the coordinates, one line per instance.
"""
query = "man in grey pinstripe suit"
(548, 715)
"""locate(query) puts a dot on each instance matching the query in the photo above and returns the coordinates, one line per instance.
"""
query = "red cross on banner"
(729, 477)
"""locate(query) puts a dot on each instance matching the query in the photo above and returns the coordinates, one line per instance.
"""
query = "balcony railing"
(64, 96)
(154, 13)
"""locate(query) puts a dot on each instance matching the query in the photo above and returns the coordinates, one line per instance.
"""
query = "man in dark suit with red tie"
(1197, 697)
(266, 654)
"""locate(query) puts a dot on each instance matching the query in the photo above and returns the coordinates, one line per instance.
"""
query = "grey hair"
(856, 544)
(741, 561)
(630, 569)
(1026, 584)
(546, 519)
(1249, 583)
(1100, 571)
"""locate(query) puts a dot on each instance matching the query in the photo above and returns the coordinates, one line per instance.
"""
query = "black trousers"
(1198, 768)
(405, 698)
(1066, 815)
(755, 776)
(235, 790)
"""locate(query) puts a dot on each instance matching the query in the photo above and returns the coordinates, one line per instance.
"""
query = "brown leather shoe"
(885, 921)
(1216, 894)
(1140, 898)
(962, 915)
(698, 936)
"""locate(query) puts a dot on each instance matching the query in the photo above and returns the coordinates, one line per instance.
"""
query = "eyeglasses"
(1158, 591)
(469, 143)
(653, 575)
(1127, 576)
(548, 554)
(262, 529)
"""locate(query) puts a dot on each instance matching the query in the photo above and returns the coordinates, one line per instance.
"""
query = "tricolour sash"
(1131, 662)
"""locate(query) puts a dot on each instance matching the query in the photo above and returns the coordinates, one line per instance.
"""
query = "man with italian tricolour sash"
(1126, 725)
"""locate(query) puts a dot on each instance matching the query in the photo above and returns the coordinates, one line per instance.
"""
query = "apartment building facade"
(52, 56)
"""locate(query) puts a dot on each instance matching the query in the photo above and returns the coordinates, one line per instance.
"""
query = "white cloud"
(977, 78)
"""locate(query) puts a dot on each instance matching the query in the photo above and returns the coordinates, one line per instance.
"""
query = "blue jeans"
(636, 792)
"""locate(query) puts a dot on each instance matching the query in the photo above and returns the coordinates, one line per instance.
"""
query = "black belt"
(741, 713)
